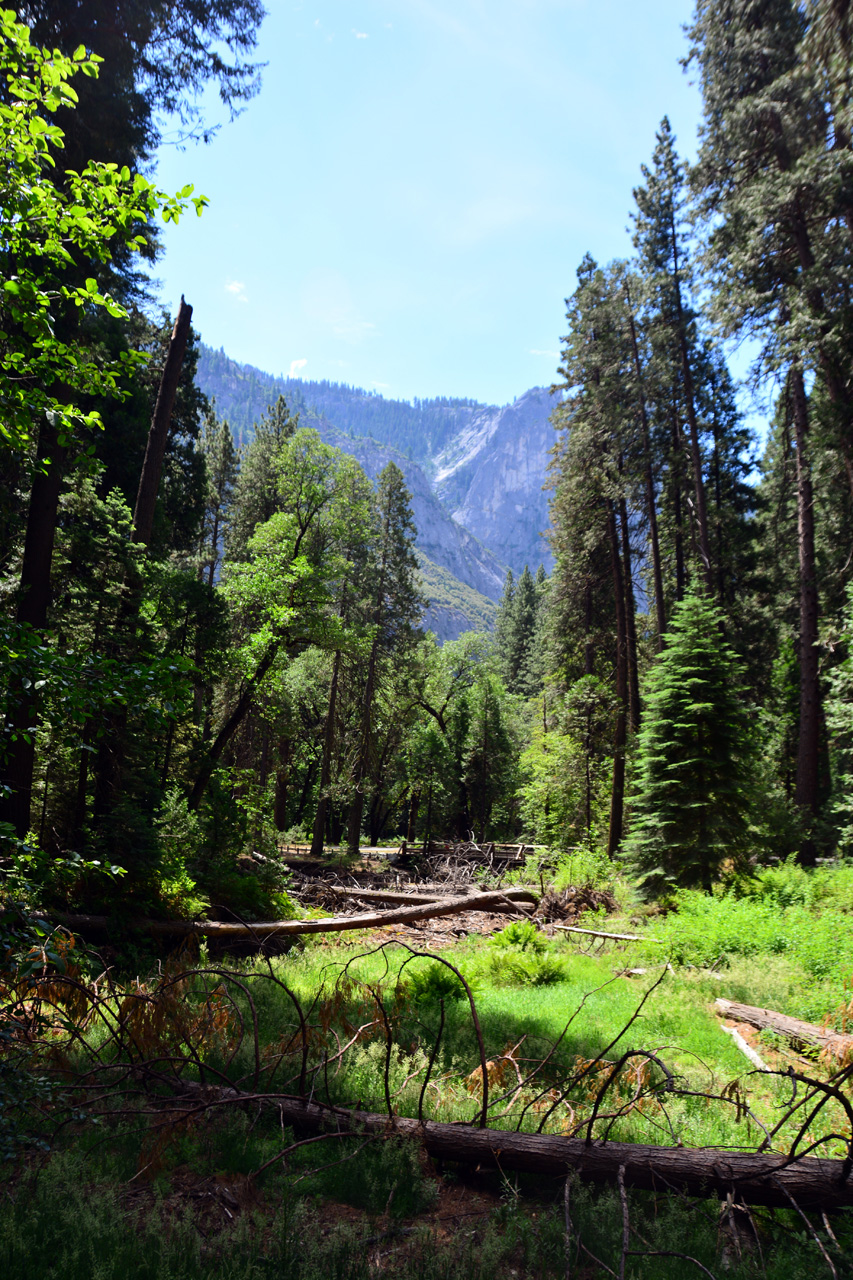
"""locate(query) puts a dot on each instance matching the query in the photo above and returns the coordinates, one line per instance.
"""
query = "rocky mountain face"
(441, 538)
(492, 475)
(476, 472)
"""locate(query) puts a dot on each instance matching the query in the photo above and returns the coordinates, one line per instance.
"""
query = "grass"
(141, 1193)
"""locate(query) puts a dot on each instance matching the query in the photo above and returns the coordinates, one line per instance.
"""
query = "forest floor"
(135, 1186)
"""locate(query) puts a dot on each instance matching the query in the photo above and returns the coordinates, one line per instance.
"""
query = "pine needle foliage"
(691, 805)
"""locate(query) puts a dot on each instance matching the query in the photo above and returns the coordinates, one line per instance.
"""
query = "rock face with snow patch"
(441, 538)
(492, 476)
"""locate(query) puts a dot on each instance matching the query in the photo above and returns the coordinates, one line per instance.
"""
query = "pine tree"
(395, 609)
(659, 238)
(691, 806)
(257, 492)
(773, 191)
(223, 468)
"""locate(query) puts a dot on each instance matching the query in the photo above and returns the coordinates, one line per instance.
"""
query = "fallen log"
(791, 1029)
(495, 901)
(746, 1049)
(598, 933)
(765, 1179)
(418, 899)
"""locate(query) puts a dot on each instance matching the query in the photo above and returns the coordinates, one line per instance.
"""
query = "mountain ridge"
(476, 472)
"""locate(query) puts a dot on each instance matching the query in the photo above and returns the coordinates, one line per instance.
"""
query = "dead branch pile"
(460, 862)
(564, 906)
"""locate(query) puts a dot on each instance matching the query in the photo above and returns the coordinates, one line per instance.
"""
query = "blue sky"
(404, 205)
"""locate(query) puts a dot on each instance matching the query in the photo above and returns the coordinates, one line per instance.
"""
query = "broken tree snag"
(149, 480)
(263, 929)
(791, 1029)
(764, 1179)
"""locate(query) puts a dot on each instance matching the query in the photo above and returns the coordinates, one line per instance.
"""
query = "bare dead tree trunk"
(149, 480)
(759, 1179)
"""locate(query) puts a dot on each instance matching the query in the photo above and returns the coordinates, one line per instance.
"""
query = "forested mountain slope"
(488, 464)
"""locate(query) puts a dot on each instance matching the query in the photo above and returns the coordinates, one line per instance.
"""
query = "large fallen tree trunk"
(418, 899)
(497, 901)
(765, 1179)
(798, 1033)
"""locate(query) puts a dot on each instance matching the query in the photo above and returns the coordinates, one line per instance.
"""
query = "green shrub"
(522, 934)
(430, 984)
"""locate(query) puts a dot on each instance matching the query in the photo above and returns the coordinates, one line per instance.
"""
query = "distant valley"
(476, 473)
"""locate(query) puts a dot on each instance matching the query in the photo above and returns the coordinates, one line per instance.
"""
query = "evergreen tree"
(659, 238)
(504, 624)
(395, 609)
(692, 798)
(774, 197)
(222, 467)
(257, 494)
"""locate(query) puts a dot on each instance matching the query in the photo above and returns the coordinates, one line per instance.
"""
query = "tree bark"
(617, 793)
(33, 603)
(319, 831)
(759, 1179)
(790, 1028)
(808, 746)
(690, 402)
(630, 623)
(651, 510)
(149, 480)
(231, 725)
(675, 469)
(506, 900)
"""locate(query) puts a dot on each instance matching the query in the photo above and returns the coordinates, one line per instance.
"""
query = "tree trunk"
(231, 725)
(675, 471)
(149, 481)
(498, 900)
(326, 768)
(413, 816)
(630, 623)
(33, 603)
(356, 808)
(761, 1179)
(690, 402)
(808, 747)
(792, 1029)
(617, 793)
(651, 511)
(281, 778)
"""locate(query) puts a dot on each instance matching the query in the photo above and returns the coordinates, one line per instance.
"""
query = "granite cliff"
(476, 473)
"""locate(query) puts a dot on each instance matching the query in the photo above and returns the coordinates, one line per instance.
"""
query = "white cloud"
(553, 355)
(296, 367)
(238, 289)
(380, 386)
(359, 35)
